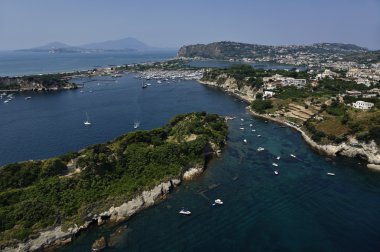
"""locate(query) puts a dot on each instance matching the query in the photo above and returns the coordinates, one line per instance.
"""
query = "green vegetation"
(321, 110)
(246, 75)
(45, 80)
(261, 105)
(234, 50)
(38, 194)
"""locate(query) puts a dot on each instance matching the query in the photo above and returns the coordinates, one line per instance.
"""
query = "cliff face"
(351, 148)
(230, 85)
(204, 51)
(56, 237)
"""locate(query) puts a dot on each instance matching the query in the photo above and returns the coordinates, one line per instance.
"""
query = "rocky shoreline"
(352, 148)
(55, 237)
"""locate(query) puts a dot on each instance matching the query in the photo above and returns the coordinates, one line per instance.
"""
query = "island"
(46, 203)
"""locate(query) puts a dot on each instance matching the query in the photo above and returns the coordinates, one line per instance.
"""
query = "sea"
(300, 209)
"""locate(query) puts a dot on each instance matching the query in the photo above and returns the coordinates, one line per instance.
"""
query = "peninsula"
(47, 203)
(45, 82)
(335, 115)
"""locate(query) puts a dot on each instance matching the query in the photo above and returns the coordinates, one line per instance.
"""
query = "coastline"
(58, 236)
(368, 152)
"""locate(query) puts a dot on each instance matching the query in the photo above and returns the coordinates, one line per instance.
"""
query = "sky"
(173, 23)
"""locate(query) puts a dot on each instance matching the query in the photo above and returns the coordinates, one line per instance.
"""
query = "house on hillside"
(362, 105)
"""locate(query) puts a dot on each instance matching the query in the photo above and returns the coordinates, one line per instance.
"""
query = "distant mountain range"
(236, 50)
(125, 44)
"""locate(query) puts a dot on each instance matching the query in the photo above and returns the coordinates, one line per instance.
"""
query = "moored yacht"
(184, 212)
(87, 122)
(218, 201)
(260, 149)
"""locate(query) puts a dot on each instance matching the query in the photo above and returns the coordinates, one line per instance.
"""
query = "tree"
(261, 105)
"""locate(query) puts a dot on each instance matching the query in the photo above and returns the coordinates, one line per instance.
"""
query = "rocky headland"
(35, 83)
(351, 148)
(181, 150)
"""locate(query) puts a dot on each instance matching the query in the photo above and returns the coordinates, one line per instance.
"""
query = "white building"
(268, 94)
(284, 81)
(362, 105)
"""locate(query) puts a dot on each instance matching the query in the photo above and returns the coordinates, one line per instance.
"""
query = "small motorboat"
(242, 119)
(136, 124)
(184, 212)
(251, 125)
(260, 149)
(245, 140)
(218, 201)
(275, 172)
(274, 164)
(241, 128)
(28, 98)
(278, 157)
(293, 156)
(253, 130)
(331, 174)
(258, 135)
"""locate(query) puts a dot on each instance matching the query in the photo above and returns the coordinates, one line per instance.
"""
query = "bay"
(18, 63)
(300, 209)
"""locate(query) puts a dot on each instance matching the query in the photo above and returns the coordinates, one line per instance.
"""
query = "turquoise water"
(301, 209)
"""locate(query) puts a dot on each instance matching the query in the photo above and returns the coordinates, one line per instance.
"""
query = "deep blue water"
(301, 209)
(17, 63)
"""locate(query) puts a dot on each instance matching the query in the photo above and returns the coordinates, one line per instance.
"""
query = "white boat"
(27, 98)
(136, 124)
(242, 119)
(251, 125)
(331, 174)
(6, 101)
(274, 164)
(159, 82)
(275, 172)
(278, 157)
(293, 156)
(241, 128)
(245, 140)
(253, 130)
(258, 135)
(144, 85)
(184, 212)
(87, 122)
(260, 149)
(218, 201)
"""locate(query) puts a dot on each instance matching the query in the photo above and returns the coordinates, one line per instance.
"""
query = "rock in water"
(116, 236)
(99, 244)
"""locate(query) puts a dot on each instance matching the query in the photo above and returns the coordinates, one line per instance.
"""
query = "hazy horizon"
(171, 24)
